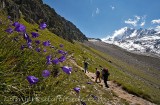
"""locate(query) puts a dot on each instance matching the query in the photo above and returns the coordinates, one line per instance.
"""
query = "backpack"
(105, 72)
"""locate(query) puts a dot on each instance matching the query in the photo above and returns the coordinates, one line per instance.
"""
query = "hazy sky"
(100, 18)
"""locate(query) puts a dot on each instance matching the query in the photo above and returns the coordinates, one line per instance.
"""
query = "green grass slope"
(122, 73)
(57, 89)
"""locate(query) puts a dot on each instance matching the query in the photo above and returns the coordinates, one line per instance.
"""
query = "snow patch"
(141, 40)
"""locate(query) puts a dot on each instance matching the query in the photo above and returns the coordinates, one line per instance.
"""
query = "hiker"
(86, 66)
(105, 75)
(97, 75)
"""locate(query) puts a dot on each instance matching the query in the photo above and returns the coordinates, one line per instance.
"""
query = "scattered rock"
(83, 87)
(110, 61)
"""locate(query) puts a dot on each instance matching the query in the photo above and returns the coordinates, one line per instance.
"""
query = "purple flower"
(44, 50)
(46, 73)
(20, 28)
(60, 51)
(9, 17)
(16, 24)
(64, 53)
(22, 47)
(83, 103)
(61, 45)
(94, 97)
(37, 41)
(49, 59)
(29, 45)
(9, 30)
(38, 49)
(42, 26)
(29, 40)
(55, 61)
(32, 79)
(26, 36)
(62, 58)
(34, 34)
(67, 69)
(46, 43)
(77, 89)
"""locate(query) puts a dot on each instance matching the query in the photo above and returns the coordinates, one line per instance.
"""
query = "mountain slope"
(34, 11)
(141, 41)
(17, 62)
(137, 68)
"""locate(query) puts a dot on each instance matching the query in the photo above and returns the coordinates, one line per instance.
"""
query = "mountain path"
(132, 99)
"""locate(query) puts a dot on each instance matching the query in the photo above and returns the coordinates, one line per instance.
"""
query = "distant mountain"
(34, 11)
(146, 41)
(94, 39)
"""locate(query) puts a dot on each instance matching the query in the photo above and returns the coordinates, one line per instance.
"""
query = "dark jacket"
(105, 72)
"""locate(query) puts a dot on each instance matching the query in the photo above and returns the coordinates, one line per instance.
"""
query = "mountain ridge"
(35, 11)
(144, 41)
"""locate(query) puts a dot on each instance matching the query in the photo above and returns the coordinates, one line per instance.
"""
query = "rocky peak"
(34, 11)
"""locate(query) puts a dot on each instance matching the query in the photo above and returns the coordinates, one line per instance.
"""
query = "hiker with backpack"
(105, 74)
(97, 75)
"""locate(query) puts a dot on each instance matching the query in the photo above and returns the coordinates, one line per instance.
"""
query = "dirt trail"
(132, 99)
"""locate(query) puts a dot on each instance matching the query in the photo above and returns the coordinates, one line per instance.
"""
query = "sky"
(101, 18)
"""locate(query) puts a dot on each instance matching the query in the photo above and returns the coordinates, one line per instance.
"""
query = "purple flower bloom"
(55, 61)
(46, 43)
(20, 28)
(34, 34)
(42, 26)
(83, 103)
(95, 97)
(77, 89)
(26, 36)
(22, 47)
(38, 49)
(61, 45)
(9, 30)
(37, 41)
(62, 58)
(49, 59)
(67, 69)
(44, 50)
(29, 45)
(46, 73)
(16, 24)
(60, 51)
(9, 17)
(64, 53)
(29, 41)
(32, 79)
